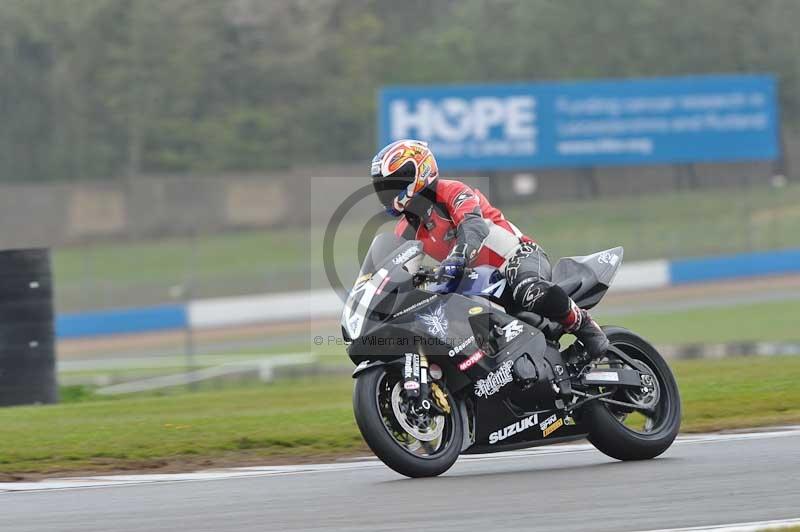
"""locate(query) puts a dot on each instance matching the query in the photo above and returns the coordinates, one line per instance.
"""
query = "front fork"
(419, 387)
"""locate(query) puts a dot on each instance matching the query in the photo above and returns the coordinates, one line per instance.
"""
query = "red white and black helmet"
(402, 170)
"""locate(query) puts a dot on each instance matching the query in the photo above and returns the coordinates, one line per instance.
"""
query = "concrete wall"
(48, 215)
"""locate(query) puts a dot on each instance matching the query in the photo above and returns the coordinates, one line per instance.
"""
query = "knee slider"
(554, 303)
(529, 291)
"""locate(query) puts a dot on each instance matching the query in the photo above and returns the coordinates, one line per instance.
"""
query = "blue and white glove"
(452, 268)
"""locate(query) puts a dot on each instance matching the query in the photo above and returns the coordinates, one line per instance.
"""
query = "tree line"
(112, 89)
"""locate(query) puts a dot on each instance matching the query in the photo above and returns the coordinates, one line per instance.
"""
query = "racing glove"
(452, 267)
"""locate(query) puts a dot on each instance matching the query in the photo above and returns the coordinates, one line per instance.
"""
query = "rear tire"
(370, 422)
(610, 435)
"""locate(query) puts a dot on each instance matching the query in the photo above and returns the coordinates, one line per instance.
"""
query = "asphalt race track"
(699, 481)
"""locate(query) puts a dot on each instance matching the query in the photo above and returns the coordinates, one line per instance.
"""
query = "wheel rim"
(415, 431)
(653, 400)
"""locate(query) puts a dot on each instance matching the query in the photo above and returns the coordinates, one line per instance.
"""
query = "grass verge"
(313, 418)
(774, 321)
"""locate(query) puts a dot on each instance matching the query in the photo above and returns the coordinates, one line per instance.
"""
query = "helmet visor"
(388, 188)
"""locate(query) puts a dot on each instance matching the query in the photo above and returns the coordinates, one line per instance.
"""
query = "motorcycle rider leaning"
(459, 227)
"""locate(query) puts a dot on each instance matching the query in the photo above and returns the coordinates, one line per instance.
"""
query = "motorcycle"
(442, 372)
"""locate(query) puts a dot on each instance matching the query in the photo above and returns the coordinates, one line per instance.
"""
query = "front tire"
(608, 431)
(386, 437)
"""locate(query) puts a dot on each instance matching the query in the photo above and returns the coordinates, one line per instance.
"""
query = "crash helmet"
(401, 171)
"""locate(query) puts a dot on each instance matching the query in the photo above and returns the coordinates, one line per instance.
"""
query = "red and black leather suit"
(449, 215)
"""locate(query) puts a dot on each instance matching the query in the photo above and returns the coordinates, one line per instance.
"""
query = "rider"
(459, 227)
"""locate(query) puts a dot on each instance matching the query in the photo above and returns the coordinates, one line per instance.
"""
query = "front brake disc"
(432, 432)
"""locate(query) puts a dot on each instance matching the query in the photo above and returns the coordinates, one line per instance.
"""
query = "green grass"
(777, 321)
(289, 419)
(313, 417)
(655, 226)
(738, 392)
(669, 224)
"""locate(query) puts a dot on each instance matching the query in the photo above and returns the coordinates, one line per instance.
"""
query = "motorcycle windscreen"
(389, 250)
(383, 263)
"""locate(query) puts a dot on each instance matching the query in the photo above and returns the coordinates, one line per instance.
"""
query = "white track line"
(756, 526)
(260, 471)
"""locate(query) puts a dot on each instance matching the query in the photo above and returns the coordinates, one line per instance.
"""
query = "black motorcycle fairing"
(520, 408)
(569, 434)
(500, 426)
(511, 384)
(477, 346)
(367, 365)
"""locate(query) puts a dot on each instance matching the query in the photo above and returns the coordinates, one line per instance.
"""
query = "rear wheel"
(413, 441)
(649, 424)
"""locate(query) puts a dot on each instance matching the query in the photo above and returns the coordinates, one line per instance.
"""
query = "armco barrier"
(322, 304)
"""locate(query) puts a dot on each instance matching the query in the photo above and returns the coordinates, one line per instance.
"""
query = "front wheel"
(410, 440)
(648, 428)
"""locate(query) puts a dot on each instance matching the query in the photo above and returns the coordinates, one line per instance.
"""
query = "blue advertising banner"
(611, 122)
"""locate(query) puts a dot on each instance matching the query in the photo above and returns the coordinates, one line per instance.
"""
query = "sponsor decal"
(608, 258)
(550, 425)
(405, 256)
(383, 285)
(425, 169)
(531, 296)
(475, 310)
(461, 198)
(411, 372)
(494, 380)
(355, 322)
(414, 307)
(552, 428)
(516, 428)
(470, 360)
(606, 376)
(436, 322)
(512, 330)
(460, 347)
(408, 369)
(473, 274)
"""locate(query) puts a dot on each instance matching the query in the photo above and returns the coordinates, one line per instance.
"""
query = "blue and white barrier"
(266, 308)
(784, 261)
(325, 304)
(121, 321)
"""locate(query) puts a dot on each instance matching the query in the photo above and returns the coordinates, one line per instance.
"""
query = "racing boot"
(580, 323)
